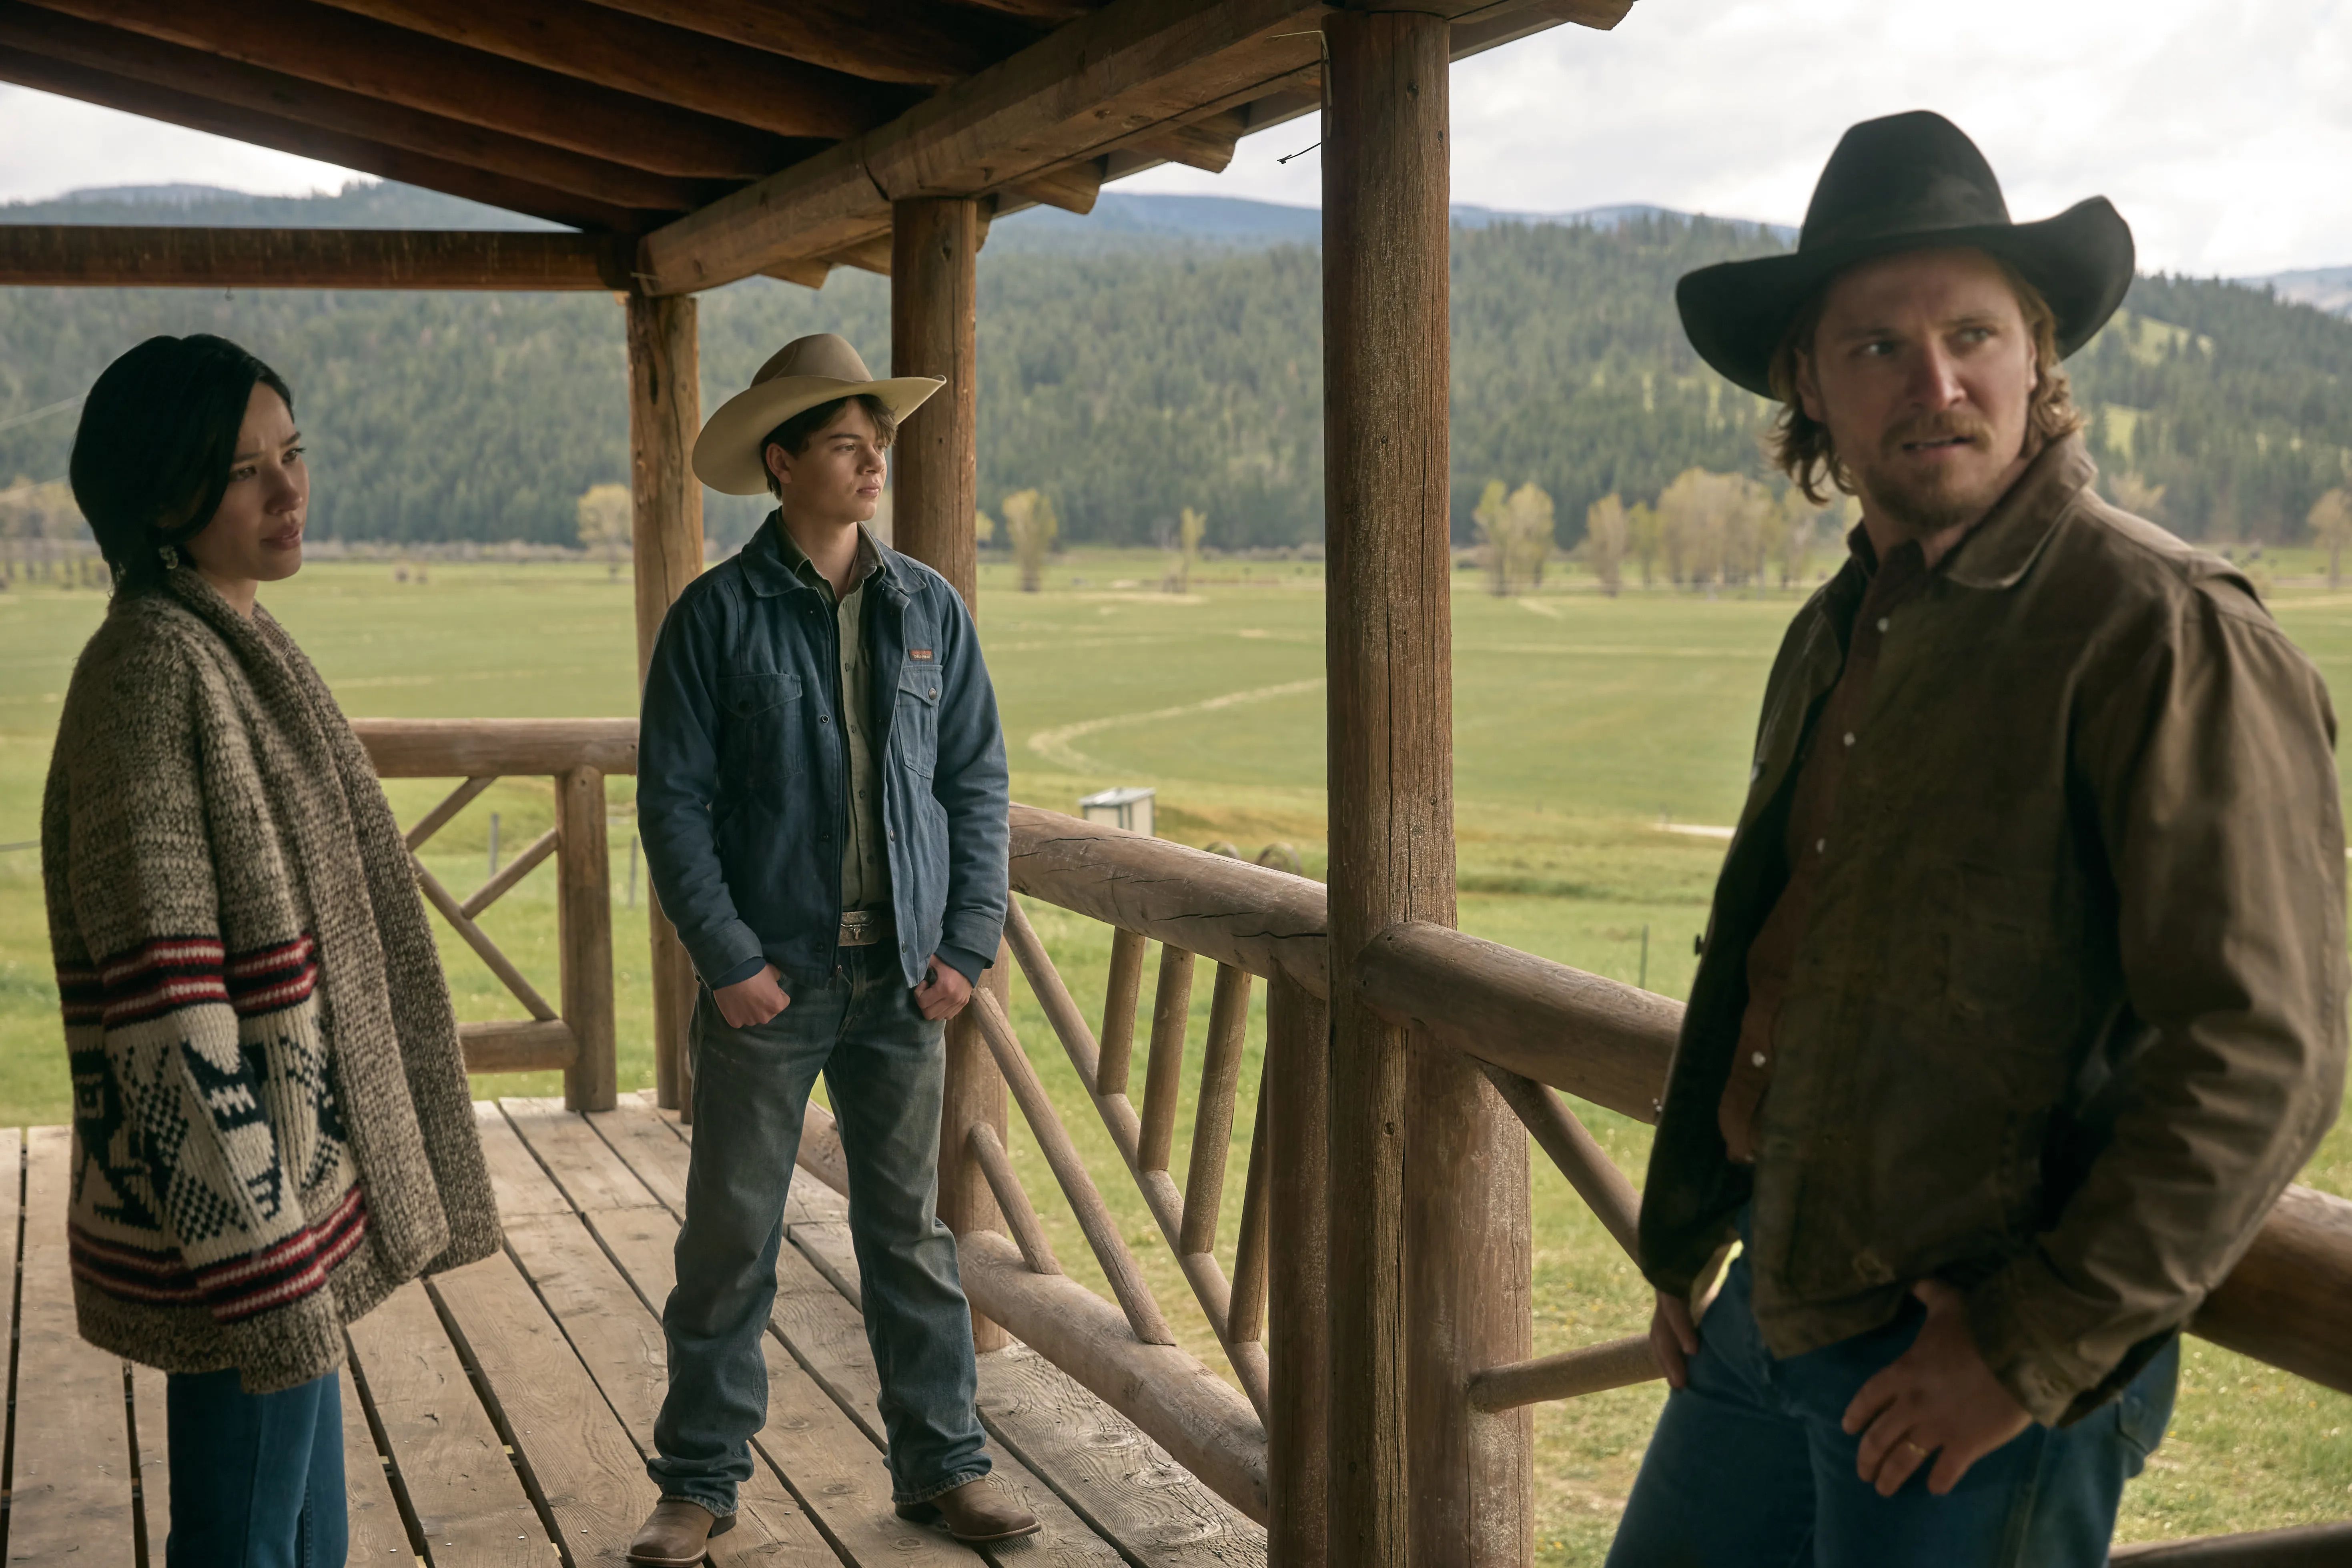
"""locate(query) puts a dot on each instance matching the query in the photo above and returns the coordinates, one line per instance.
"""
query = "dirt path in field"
(1054, 744)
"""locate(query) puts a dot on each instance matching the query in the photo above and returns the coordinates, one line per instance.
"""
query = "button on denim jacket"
(742, 775)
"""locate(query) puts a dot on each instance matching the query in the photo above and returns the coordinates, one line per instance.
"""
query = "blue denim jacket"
(742, 777)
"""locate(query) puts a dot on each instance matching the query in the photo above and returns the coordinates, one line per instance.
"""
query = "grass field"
(1583, 727)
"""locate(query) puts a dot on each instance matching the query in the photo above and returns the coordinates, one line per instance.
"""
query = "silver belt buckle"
(860, 928)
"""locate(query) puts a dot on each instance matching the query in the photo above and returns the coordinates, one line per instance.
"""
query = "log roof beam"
(669, 65)
(237, 86)
(113, 255)
(1130, 65)
(198, 112)
(1128, 80)
(920, 44)
(335, 49)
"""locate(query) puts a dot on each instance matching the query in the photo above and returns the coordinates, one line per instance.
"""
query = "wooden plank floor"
(500, 1413)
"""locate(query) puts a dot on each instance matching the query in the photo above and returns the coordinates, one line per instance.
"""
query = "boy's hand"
(747, 1004)
(944, 993)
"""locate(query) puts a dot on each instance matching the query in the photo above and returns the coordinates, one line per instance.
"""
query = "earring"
(170, 557)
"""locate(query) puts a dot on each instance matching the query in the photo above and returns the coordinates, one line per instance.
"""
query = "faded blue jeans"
(257, 1478)
(885, 1064)
(1750, 1467)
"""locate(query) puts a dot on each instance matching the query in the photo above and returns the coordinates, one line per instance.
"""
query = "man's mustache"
(1953, 426)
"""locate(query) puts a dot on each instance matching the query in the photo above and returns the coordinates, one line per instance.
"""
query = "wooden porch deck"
(501, 1412)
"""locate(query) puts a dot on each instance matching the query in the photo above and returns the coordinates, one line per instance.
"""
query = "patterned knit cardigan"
(271, 1124)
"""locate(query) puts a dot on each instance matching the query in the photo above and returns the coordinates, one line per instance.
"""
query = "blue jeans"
(257, 1478)
(1749, 1466)
(886, 1066)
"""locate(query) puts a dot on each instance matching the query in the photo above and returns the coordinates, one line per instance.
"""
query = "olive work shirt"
(864, 861)
(2067, 1011)
(1828, 743)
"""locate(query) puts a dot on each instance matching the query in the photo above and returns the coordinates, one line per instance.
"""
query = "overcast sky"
(2221, 128)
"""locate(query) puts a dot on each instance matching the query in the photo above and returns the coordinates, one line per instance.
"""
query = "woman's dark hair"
(152, 458)
(795, 434)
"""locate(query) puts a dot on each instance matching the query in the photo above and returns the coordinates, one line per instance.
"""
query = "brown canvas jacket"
(2068, 1014)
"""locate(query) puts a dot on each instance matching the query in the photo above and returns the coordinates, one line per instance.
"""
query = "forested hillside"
(1128, 378)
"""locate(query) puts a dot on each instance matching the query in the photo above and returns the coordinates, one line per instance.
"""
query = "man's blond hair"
(1800, 443)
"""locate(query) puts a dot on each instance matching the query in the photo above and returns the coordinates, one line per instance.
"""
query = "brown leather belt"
(863, 928)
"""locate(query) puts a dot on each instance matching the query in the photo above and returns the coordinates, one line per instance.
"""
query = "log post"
(934, 251)
(583, 916)
(1421, 1295)
(1298, 1104)
(666, 512)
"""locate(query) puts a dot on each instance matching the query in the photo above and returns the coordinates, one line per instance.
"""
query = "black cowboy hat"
(1910, 182)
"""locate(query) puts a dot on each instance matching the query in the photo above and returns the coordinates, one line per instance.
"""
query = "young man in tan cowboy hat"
(821, 794)
(2022, 996)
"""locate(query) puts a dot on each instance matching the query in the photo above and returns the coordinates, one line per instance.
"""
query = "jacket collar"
(2000, 550)
(768, 566)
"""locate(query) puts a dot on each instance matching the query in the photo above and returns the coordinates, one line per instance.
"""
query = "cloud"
(51, 145)
(2221, 128)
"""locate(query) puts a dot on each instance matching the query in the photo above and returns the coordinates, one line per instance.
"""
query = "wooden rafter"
(199, 113)
(1133, 65)
(1050, 11)
(651, 60)
(328, 46)
(921, 44)
(131, 256)
(239, 86)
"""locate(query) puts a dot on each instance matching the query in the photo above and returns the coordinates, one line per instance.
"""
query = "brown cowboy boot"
(974, 1512)
(677, 1534)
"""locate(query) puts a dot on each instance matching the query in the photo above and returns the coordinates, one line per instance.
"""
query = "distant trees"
(603, 513)
(2330, 521)
(1031, 523)
(1517, 529)
(1190, 528)
(1606, 528)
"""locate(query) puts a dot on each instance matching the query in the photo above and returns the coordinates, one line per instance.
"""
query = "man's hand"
(747, 1004)
(1672, 1338)
(1937, 1395)
(943, 992)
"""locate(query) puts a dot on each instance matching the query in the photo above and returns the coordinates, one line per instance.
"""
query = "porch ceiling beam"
(108, 256)
(369, 157)
(330, 48)
(920, 43)
(239, 85)
(1132, 65)
(651, 60)
(1095, 84)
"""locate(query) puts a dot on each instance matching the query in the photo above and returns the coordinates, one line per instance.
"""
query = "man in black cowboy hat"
(2022, 996)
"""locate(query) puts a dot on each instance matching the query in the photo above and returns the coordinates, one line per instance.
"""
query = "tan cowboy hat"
(800, 375)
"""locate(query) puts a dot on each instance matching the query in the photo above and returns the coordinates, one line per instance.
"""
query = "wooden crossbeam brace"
(105, 255)
(1119, 1265)
(1019, 1214)
(1620, 1363)
(458, 800)
(513, 871)
(441, 898)
(1579, 1156)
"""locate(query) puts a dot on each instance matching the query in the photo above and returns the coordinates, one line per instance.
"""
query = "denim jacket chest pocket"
(760, 740)
(916, 725)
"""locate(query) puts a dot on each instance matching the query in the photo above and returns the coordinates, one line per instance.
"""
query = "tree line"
(1126, 386)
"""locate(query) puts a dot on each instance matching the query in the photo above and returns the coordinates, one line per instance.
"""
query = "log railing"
(1535, 1028)
(576, 1032)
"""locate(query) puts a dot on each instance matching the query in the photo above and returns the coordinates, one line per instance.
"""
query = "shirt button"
(1882, 623)
(1849, 737)
(825, 718)
(1758, 1059)
(1821, 846)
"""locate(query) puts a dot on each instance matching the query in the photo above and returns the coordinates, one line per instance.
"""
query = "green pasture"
(1587, 729)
